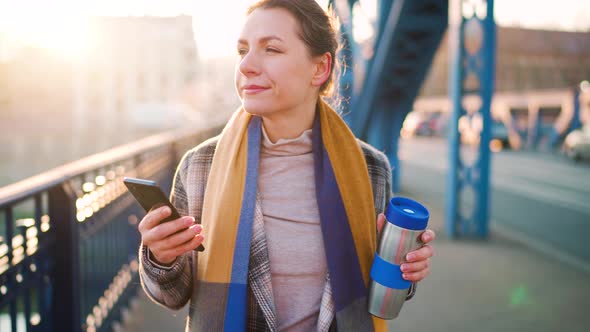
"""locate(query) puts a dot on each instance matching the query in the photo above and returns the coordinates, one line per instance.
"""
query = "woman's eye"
(272, 50)
(242, 51)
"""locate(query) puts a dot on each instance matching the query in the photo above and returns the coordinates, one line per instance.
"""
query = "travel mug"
(406, 220)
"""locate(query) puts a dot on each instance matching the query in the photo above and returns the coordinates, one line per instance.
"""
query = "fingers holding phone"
(168, 240)
(151, 197)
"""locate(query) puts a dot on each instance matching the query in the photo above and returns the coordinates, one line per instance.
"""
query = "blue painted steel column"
(383, 127)
(534, 128)
(383, 135)
(576, 123)
(473, 39)
(383, 9)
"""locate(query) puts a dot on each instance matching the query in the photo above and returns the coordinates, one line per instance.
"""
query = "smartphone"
(150, 196)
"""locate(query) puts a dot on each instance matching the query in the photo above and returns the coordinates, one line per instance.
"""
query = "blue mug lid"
(407, 213)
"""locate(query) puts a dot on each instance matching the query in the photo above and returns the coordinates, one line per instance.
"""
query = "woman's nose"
(249, 64)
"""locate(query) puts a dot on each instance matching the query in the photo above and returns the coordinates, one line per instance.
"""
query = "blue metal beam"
(474, 45)
(410, 35)
(402, 57)
(576, 122)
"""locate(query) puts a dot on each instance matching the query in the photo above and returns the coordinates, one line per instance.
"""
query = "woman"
(284, 200)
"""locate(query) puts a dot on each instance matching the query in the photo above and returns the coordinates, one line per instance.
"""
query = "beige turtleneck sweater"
(292, 225)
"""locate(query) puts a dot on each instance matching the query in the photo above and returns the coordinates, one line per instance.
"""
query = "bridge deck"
(497, 285)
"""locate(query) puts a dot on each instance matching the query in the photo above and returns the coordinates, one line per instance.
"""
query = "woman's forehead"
(269, 24)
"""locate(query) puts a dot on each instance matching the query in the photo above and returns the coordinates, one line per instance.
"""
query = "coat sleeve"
(170, 286)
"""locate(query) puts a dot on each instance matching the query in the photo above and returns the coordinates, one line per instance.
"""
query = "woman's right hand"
(168, 240)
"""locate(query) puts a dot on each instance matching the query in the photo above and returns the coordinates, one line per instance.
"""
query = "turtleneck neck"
(287, 146)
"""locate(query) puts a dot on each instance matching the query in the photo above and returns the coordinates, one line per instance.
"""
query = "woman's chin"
(255, 107)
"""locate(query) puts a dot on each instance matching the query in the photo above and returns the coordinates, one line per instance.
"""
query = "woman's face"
(274, 71)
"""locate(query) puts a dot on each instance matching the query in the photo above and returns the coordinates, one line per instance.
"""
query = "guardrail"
(69, 239)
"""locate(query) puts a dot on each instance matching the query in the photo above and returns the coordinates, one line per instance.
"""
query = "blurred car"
(500, 132)
(577, 144)
(435, 124)
(411, 123)
(424, 124)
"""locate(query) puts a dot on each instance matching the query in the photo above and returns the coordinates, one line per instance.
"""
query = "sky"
(59, 24)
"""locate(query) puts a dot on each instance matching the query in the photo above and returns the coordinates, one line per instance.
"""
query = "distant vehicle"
(424, 124)
(470, 128)
(577, 144)
(425, 127)
(411, 123)
(499, 136)
(436, 124)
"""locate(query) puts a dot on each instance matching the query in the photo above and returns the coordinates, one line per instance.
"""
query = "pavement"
(539, 199)
(498, 284)
(495, 285)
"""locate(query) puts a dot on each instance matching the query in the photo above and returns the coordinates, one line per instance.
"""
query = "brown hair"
(318, 31)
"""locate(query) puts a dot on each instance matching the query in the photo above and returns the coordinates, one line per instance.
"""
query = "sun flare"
(62, 34)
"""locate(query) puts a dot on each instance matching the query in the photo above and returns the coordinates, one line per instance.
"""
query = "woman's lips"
(254, 89)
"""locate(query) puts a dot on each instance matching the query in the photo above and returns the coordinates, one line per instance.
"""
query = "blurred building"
(536, 74)
(135, 73)
(525, 60)
(132, 81)
(35, 111)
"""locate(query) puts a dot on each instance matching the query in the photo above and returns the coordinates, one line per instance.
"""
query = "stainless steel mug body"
(406, 220)
(395, 243)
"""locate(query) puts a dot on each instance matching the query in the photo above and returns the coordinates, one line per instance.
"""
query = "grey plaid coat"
(172, 287)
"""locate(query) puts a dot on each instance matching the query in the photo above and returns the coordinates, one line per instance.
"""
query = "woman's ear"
(323, 67)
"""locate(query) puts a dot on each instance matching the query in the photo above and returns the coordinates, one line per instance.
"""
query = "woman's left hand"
(417, 266)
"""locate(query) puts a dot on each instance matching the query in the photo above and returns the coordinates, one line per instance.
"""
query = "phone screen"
(150, 196)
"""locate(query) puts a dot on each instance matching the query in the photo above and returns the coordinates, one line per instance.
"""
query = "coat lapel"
(259, 277)
(327, 308)
(259, 269)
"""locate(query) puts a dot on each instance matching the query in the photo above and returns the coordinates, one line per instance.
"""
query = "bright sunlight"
(66, 34)
(62, 26)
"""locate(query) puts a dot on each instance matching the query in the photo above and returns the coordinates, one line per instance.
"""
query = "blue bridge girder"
(409, 33)
(473, 68)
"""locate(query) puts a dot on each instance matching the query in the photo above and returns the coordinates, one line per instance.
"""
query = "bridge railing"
(69, 239)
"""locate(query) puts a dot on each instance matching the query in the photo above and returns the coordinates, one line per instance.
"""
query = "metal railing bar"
(21, 190)
(41, 247)
(81, 256)
(25, 275)
(99, 220)
(10, 280)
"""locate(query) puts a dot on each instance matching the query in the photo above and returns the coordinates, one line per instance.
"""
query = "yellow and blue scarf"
(346, 208)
